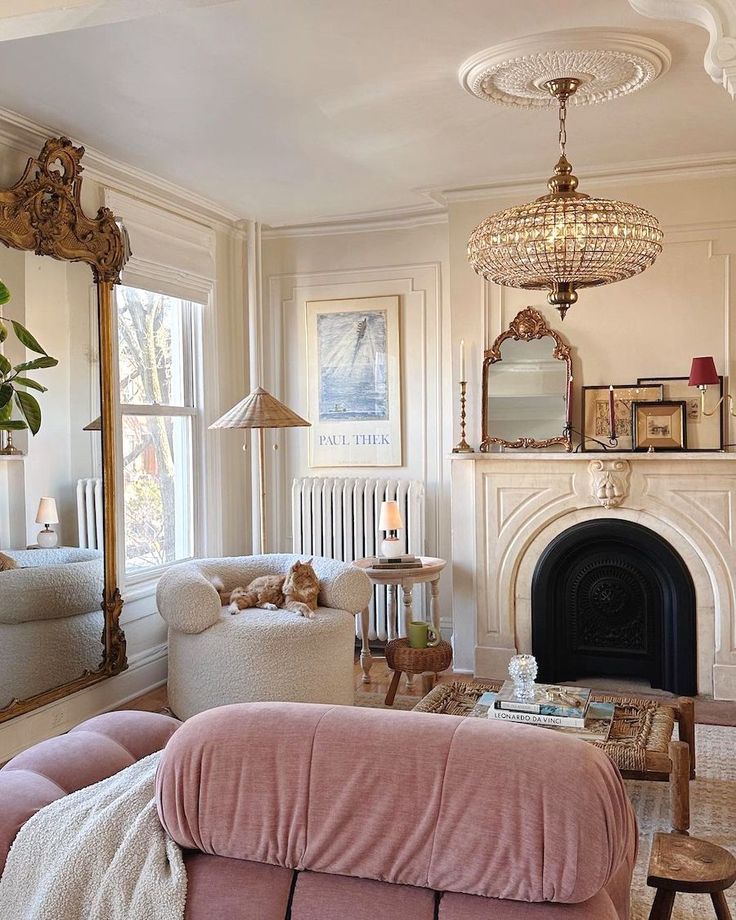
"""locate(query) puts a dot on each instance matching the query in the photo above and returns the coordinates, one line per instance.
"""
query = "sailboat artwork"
(352, 366)
(354, 382)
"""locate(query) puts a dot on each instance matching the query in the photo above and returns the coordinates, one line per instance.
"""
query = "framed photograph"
(596, 423)
(704, 432)
(660, 425)
(354, 370)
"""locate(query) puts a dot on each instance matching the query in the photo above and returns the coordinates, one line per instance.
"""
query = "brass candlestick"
(462, 447)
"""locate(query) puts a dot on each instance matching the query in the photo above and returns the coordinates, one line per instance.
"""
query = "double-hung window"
(158, 351)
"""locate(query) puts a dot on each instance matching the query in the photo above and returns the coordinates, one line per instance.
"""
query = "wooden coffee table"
(640, 742)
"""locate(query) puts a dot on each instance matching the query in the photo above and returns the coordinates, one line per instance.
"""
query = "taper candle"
(568, 404)
(611, 414)
(462, 359)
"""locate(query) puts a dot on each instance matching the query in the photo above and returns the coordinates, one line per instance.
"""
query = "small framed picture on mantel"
(659, 425)
(704, 431)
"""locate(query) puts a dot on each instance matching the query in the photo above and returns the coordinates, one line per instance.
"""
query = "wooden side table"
(406, 579)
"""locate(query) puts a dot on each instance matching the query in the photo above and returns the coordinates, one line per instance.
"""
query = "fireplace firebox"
(611, 598)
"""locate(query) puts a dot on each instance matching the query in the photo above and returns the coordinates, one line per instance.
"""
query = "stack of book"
(399, 562)
(569, 709)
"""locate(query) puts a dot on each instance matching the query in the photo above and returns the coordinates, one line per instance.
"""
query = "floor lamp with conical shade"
(261, 410)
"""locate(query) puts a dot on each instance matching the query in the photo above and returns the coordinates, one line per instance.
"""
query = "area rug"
(712, 806)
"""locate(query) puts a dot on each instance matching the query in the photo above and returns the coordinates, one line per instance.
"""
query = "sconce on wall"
(703, 374)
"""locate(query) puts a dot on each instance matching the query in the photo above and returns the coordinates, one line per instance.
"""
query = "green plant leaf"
(4, 293)
(30, 408)
(36, 364)
(25, 337)
(5, 365)
(14, 425)
(6, 411)
(6, 394)
(31, 384)
(3, 332)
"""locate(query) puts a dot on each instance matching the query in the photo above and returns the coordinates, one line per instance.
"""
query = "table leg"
(435, 604)
(393, 623)
(389, 701)
(366, 659)
(408, 606)
(429, 679)
(720, 905)
(686, 727)
(662, 906)
(680, 786)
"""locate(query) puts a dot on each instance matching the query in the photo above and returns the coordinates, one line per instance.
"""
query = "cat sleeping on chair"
(297, 590)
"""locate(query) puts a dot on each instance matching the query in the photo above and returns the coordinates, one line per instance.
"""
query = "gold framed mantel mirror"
(527, 387)
(60, 603)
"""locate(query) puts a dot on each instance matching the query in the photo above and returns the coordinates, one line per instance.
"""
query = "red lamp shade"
(703, 372)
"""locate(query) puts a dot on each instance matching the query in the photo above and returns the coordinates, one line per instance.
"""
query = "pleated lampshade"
(260, 410)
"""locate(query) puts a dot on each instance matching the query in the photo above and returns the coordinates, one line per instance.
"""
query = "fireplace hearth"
(612, 598)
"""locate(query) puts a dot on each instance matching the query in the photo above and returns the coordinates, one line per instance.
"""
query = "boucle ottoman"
(216, 658)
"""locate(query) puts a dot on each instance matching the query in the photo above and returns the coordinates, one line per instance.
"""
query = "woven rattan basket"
(400, 656)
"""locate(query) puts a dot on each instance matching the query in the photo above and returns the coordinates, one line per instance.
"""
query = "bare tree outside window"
(155, 337)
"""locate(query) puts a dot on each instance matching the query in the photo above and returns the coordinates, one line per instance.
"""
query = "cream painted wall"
(409, 262)
(648, 326)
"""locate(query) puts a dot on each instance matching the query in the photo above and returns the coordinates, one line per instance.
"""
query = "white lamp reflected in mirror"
(47, 514)
(390, 522)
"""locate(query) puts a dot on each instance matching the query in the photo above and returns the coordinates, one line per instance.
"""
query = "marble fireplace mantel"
(507, 508)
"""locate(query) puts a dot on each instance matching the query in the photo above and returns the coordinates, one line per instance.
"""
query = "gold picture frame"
(659, 425)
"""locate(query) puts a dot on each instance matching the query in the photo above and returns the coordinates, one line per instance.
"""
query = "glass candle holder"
(523, 672)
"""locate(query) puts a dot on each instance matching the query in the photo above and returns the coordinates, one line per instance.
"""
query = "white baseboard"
(146, 671)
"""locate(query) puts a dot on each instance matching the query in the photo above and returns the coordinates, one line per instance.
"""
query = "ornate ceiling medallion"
(566, 239)
(607, 64)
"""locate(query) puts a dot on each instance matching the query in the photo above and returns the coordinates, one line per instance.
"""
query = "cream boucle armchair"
(216, 658)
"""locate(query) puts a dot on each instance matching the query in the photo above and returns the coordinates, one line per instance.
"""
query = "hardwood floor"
(707, 712)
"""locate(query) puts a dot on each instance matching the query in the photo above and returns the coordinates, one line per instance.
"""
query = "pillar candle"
(462, 359)
(611, 413)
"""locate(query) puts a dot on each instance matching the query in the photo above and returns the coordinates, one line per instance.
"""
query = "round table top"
(430, 571)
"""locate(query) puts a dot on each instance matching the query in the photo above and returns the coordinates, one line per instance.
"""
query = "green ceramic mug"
(422, 635)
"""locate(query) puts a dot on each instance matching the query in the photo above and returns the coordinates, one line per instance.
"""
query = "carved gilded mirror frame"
(42, 213)
(527, 325)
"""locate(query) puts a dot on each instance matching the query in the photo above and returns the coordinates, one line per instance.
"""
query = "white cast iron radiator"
(89, 513)
(338, 518)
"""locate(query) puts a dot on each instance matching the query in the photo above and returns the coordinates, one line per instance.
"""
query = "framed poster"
(597, 423)
(659, 425)
(354, 378)
(704, 432)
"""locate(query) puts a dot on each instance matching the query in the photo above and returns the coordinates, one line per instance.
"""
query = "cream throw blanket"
(97, 854)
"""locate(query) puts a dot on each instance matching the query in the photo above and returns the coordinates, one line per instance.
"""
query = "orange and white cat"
(297, 590)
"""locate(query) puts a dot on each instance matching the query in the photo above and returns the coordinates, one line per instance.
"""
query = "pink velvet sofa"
(319, 812)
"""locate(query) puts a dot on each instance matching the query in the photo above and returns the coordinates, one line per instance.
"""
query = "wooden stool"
(402, 658)
(680, 863)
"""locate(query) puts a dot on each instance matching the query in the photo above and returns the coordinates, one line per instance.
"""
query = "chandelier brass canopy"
(564, 240)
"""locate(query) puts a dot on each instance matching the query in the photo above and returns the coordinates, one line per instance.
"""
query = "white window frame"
(139, 583)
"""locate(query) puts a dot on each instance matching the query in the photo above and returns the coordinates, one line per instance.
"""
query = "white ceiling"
(294, 110)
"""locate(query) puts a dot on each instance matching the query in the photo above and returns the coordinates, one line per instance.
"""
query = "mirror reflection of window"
(158, 344)
(526, 391)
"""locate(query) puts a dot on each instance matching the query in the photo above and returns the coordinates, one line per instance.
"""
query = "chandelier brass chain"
(566, 239)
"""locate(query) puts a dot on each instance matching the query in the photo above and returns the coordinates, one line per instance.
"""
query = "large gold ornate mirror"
(59, 599)
(527, 384)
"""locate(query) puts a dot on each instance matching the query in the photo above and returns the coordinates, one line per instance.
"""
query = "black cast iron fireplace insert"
(611, 598)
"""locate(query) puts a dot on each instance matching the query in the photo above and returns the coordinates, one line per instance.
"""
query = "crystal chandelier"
(564, 240)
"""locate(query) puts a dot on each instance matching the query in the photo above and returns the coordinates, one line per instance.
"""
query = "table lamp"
(47, 514)
(390, 522)
(703, 374)
(261, 410)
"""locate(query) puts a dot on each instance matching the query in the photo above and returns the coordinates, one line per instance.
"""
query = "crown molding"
(28, 136)
(407, 218)
(663, 170)
(717, 17)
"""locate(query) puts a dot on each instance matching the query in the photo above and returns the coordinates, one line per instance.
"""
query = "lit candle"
(462, 359)
(568, 405)
(611, 413)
